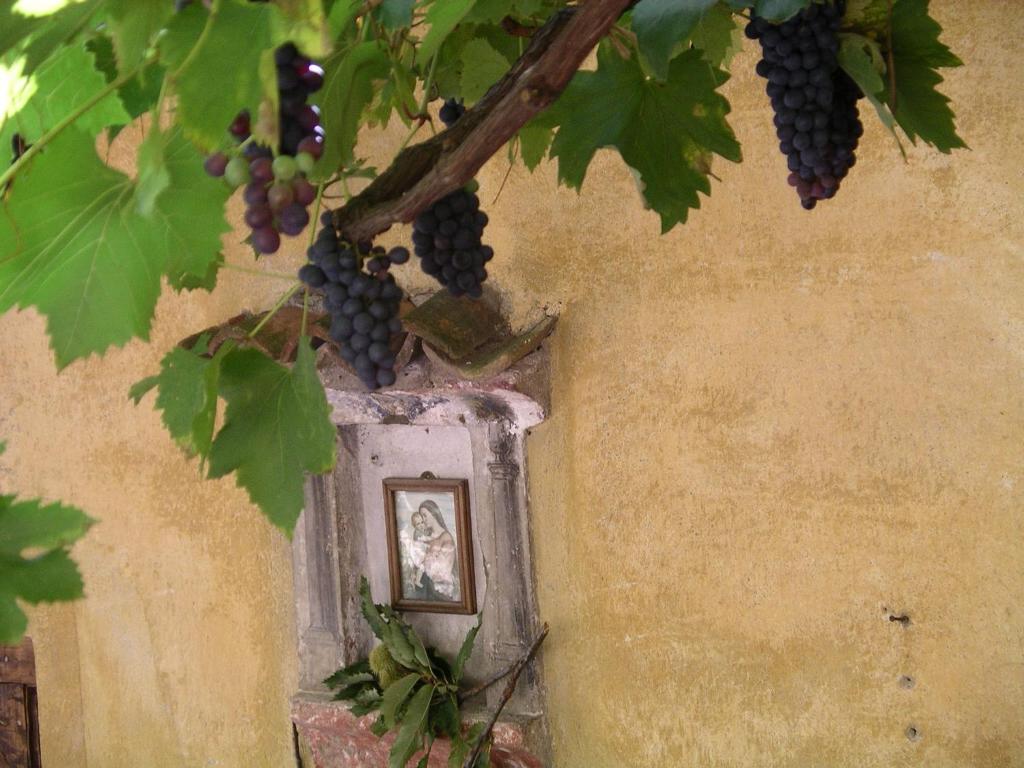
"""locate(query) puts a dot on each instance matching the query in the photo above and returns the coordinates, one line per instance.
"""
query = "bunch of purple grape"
(362, 298)
(277, 193)
(814, 100)
(298, 76)
(447, 239)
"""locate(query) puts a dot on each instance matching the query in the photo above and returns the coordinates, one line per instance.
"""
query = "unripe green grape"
(237, 172)
(284, 168)
(305, 162)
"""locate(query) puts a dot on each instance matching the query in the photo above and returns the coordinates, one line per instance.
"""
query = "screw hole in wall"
(912, 733)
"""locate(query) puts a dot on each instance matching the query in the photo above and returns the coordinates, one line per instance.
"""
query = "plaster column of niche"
(316, 595)
(511, 579)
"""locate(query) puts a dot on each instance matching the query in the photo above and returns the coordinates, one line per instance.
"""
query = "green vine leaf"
(370, 610)
(394, 14)
(188, 218)
(779, 10)
(305, 24)
(660, 25)
(348, 90)
(664, 131)
(717, 36)
(133, 26)
(140, 93)
(228, 52)
(63, 84)
(73, 248)
(277, 427)
(442, 18)
(414, 726)
(187, 394)
(534, 141)
(153, 176)
(48, 574)
(40, 36)
(861, 58)
(482, 67)
(922, 111)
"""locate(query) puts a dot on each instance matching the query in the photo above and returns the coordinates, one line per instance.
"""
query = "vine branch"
(510, 688)
(427, 171)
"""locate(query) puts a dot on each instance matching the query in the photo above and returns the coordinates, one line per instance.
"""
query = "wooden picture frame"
(430, 565)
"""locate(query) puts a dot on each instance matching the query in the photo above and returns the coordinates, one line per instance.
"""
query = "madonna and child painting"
(430, 549)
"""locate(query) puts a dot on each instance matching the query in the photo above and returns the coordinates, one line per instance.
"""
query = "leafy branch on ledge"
(416, 691)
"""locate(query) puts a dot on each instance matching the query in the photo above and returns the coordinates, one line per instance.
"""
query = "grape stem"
(260, 272)
(427, 85)
(274, 309)
(59, 127)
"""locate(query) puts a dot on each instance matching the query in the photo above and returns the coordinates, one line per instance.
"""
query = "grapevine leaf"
(44, 34)
(464, 653)
(395, 696)
(664, 131)
(63, 84)
(277, 427)
(228, 53)
(72, 247)
(414, 724)
(137, 95)
(154, 177)
(442, 18)
(860, 59)
(305, 24)
(868, 16)
(46, 576)
(348, 89)
(341, 16)
(482, 67)
(187, 395)
(142, 387)
(133, 25)
(394, 14)
(920, 110)
(717, 36)
(189, 217)
(662, 24)
(534, 140)
(779, 10)
(182, 35)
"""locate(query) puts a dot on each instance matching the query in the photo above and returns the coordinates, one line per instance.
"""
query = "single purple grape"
(215, 164)
(258, 215)
(293, 219)
(265, 240)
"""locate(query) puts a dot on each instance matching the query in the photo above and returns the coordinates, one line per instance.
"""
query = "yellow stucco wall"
(770, 429)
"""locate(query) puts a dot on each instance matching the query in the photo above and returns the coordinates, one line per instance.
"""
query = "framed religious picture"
(430, 547)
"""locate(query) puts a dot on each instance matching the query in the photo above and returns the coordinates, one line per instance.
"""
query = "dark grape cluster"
(277, 194)
(362, 298)
(451, 111)
(297, 77)
(814, 100)
(447, 239)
